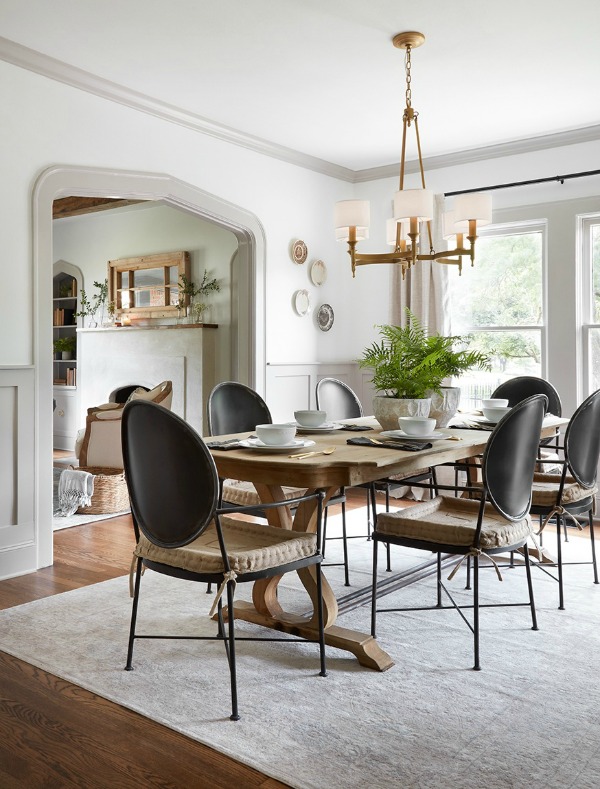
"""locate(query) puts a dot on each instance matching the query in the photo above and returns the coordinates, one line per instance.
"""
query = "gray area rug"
(63, 522)
(530, 718)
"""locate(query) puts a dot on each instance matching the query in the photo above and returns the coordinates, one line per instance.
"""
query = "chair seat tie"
(230, 575)
(559, 510)
(476, 552)
(132, 571)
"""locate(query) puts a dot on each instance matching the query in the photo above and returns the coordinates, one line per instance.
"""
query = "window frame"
(586, 322)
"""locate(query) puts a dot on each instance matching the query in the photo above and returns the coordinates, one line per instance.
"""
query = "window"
(590, 247)
(147, 286)
(500, 303)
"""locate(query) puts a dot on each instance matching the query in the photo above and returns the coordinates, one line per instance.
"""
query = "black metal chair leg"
(323, 671)
(388, 546)
(534, 625)
(369, 522)
(476, 666)
(511, 562)
(134, 609)
(561, 596)
(232, 669)
(468, 582)
(439, 580)
(344, 544)
(324, 532)
(374, 591)
(593, 541)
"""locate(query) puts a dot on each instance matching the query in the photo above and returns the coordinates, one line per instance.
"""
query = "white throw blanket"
(75, 489)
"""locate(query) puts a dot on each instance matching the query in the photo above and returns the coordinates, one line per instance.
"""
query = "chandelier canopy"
(413, 207)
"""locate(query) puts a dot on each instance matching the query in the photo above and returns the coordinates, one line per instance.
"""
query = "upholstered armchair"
(99, 444)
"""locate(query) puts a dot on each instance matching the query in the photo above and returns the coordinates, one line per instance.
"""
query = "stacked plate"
(292, 446)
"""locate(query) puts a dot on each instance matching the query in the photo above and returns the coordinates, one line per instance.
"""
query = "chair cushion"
(251, 547)
(453, 521)
(244, 494)
(545, 490)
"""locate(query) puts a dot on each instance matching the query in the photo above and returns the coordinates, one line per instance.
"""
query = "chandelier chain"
(407, 65)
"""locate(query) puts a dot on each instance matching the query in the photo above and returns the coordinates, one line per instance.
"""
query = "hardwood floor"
(55, 734)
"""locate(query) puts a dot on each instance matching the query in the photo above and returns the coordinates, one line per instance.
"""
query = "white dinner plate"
(256, 443)
(327, 427)
(400, 434)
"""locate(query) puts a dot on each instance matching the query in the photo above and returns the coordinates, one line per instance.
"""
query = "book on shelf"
(71, 376)
(60, 382)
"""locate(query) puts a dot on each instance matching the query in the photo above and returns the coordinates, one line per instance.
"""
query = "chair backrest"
(121, 393)
(524, 386)
(510, 457)
(171, 475)
(235, 408)
(582, 441)
(337, 399)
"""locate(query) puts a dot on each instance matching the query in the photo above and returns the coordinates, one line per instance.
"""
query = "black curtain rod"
(561, 178)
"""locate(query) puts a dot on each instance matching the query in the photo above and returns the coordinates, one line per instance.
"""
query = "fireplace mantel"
(119, 356)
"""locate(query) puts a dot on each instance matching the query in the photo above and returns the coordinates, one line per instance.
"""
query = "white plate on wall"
(400, 434)
(256, 443)
(302, 302)
(318, 272)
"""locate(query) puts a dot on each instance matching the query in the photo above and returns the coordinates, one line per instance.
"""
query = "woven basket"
(110, 491)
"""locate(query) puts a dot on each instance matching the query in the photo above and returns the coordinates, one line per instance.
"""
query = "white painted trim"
(49, 67)
(54, 69)
(60, 181)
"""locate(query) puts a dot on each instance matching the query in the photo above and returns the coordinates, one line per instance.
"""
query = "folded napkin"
(473, 426)
(231, 443)
(75, 489)
(357, 428)
(406, 446)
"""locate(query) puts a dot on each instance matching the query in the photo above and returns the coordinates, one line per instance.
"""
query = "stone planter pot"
(66, 355)
(444, 405)
(387, 410)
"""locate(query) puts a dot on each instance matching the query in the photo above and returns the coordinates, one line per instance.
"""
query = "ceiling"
(321, 77)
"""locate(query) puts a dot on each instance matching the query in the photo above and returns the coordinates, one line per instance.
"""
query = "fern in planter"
(408, 362)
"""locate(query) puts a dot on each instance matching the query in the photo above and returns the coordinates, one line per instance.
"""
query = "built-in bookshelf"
(67, 282)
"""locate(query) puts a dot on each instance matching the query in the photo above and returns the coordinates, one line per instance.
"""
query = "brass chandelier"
(413, 206)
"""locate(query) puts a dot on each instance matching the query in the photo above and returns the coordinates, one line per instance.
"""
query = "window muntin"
(147, 286)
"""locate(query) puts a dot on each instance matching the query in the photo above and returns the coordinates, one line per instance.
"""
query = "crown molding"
(558, 140)
(49, 67)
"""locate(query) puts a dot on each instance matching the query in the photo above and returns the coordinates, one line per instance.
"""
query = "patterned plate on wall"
(325, 317)
(299, 252)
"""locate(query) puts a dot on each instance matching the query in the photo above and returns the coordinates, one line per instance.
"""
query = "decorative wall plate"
(325, 317)
(302, 302)
(299, 252)
(318, 272)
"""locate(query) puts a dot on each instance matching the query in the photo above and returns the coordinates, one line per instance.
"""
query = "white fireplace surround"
(148, 355)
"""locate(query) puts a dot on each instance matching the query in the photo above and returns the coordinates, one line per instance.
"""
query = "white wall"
(91, 240)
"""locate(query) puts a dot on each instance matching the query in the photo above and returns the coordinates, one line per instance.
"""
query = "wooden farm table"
(348, 465)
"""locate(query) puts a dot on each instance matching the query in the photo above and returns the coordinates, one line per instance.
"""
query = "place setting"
(314, 421)
(276, 438)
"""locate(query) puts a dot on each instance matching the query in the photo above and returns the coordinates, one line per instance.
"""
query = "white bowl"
(310, 418)
(416, 425)
(494, 402)
(494, 414)
(276, 435)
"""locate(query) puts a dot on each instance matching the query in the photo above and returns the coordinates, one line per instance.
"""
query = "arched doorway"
(249, 341)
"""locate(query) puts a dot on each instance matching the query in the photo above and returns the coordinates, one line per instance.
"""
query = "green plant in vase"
(410, 365)
(189, 291)
(65, 346)
(89, 307)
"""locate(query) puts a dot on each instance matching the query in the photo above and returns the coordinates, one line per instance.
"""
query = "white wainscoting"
(290, 387)
(18, 549)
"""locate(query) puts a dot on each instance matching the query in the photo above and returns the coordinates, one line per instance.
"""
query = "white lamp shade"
(450, 227)
(390, 228)
(473, 206)
(410, 203)
(343, 233)
(352, 213)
